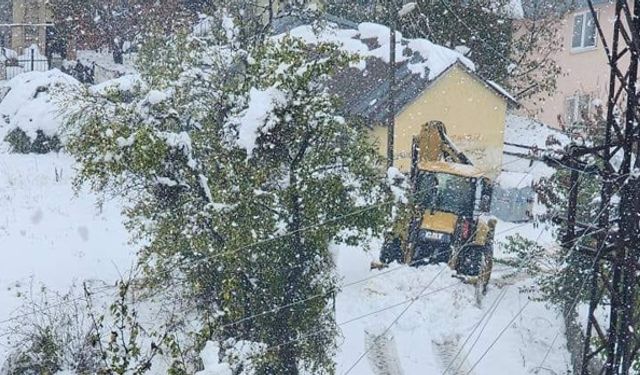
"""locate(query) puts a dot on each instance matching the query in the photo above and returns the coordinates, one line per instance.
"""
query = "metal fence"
(13, 67)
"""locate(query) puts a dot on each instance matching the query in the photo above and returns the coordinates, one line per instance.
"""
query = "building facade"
(30, 20)
(585, 70)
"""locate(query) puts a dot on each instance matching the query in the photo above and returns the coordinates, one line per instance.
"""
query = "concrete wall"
(29, 12)
(585, 71)
(473, 114)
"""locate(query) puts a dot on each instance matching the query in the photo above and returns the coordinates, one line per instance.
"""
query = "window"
(584, 31)
(446, 192)
(576, 107)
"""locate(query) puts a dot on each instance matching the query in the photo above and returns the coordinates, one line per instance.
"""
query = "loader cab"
(446, 193)
(450, 188)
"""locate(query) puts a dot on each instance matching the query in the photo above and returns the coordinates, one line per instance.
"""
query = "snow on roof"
(502, 90)
(529, 132)
(526, 132)
(28, 102)
(364, 87)
(515, 180)
(373, 40)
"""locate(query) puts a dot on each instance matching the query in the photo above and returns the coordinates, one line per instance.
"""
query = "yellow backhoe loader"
(446, 218)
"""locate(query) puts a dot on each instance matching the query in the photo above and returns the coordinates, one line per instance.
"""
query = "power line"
(575, 300)
(489, 312)
(499, 336)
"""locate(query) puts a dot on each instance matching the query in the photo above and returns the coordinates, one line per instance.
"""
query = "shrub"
(21, 143)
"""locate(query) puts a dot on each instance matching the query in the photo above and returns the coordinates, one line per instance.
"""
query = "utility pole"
(611, 343)
(394, 15)
(391, 120)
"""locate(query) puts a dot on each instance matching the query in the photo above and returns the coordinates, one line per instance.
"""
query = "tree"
(240, 174)
(518, 54)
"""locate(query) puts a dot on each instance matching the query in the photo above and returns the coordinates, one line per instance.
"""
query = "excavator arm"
(435, 145)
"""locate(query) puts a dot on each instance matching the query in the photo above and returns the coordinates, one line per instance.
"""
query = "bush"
(44, 143)
(21, 143)
(55, 338)
(40, 356)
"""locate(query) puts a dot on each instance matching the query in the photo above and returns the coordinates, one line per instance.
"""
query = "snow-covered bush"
(30, 115)
(55, 339)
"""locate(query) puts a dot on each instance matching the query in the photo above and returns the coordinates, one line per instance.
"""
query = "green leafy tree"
(240, 174)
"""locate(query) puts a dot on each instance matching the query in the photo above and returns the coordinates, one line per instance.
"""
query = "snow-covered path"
(435, 332)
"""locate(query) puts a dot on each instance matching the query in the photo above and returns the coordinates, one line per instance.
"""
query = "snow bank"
(372, 40)
(433, 329)
(29, 104)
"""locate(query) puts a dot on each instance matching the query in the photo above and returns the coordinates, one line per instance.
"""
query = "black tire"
(469, 260)
(391, 251)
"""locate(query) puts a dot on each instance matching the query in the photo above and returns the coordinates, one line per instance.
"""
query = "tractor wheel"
(468, 260)
(391, 251)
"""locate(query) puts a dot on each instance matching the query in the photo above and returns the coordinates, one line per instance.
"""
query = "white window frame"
(573, 115)
(585, 16)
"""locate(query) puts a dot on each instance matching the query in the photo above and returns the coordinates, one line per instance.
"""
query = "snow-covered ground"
(52, 237)
(435, 332)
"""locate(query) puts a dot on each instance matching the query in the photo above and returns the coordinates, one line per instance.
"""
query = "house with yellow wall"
(473, 110)
(432, 83)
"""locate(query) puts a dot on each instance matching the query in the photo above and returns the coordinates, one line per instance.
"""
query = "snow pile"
(238, 354)
(211, 360)
(372, 40)
(125, 83)
(439, 322)
(512, 9)
(104, 66)
(29, 102)
(258, 117)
